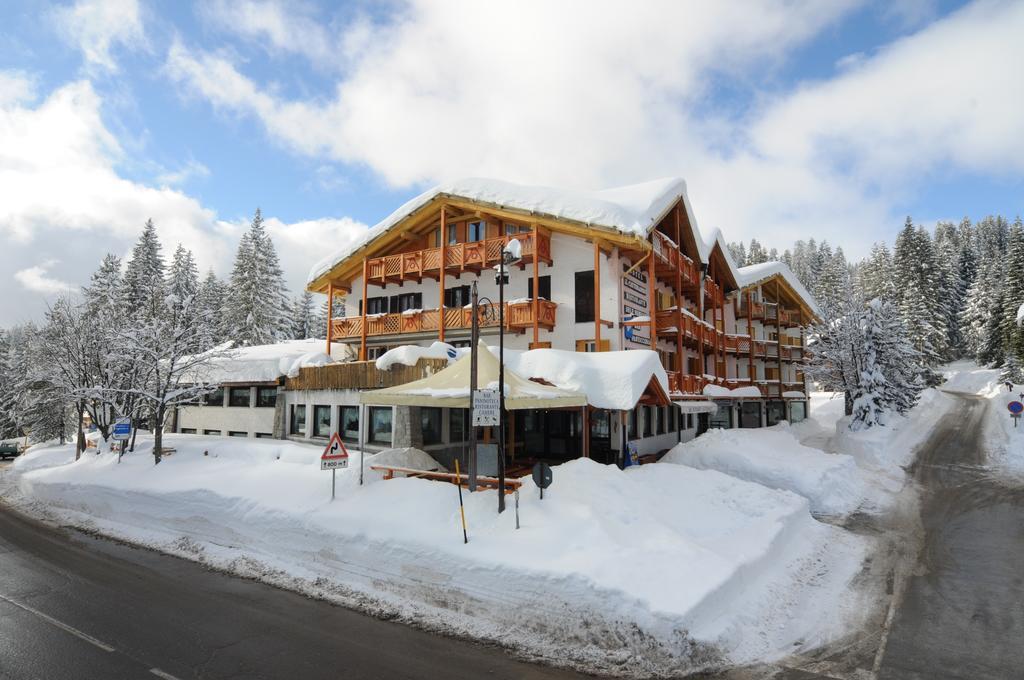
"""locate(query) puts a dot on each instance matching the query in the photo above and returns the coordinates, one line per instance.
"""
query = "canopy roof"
(449, 388)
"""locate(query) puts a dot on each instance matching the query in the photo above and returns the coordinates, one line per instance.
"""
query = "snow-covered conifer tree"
(257, 312)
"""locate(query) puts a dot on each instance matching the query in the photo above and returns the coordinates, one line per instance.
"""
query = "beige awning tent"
(449, 388)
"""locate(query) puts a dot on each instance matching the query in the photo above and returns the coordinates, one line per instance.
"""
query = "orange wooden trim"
(362, 345)
(652, 305)
(440, 278)
(330, 314)
(597, 298)
(750, 332)
(536, 284)
(679, 295)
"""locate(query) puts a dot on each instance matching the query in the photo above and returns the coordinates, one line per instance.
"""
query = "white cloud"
(276, 26)
(37, 279)
(16, 87)
(61, 198)
(191, 168)
(587, 95)
(95, 26)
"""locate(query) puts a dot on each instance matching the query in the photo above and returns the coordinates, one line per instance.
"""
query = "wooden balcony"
(518, 317)
(358, 375)
(459, 257)
(668, 259)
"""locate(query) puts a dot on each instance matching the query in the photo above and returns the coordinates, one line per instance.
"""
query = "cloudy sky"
(788, 119)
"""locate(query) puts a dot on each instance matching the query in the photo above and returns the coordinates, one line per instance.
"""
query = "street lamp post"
(509, 255)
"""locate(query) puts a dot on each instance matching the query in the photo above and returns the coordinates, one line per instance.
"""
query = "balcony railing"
(458, 257)
(669, 257)
(518, 316)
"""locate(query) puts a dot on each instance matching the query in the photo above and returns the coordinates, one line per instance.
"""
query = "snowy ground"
(1004, 440)
(651, 571)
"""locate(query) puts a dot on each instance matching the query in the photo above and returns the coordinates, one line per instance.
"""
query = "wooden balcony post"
(750, 332)
(652, 304)
(536, 285)
(440, 278)
(679, 294)
(362, 344)
(778, 333)
(597, 298)
(330, 314)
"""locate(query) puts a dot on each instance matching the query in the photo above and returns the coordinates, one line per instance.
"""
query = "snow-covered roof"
(632, 209)
(755, 273)
(265, 363)
(611, 380)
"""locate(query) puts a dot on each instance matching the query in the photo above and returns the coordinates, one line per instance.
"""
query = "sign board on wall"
(635, 303)
(485, 408)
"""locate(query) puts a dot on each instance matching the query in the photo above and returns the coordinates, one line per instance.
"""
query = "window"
(633, 415)
(797, 411)
(453, 235)
(215, 398)
(458, 424)
(188, 430)
(689, 421)
(584, 297)
(543, 285)
(375, 352)
(476, 231)
(266, 396)
(213, 432)
(659, 419)
(513, 229)
(672, 410)
(648, 422)
(374, 305)
(722, 418)
(750, 414)
(321, 421)
(298, 419)
(406, 301)
(430, 420)
(456, 297)
(348, 422)
(380, 424)
(236, 433)
(437, 237)
(238, 396)
(264, 435)
(775, 412)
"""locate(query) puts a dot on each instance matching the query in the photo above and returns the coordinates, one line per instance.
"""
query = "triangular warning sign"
(335, 449)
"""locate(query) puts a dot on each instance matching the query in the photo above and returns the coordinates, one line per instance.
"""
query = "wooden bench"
(511, 484)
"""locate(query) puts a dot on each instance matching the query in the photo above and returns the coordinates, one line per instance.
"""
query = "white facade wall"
(253, 420)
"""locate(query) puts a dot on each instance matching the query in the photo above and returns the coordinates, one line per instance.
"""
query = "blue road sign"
(1015, 407)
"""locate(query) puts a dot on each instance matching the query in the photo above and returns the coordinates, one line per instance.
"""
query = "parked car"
(9, 450)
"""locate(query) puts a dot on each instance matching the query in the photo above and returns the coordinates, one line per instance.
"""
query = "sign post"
(334, 456)
(1015, 408)
(542, 477)
(122, 432)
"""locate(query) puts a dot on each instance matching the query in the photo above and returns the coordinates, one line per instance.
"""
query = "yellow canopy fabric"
(449, 388)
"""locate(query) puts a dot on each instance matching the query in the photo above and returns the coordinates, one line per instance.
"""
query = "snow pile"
(969, 378)
(720, 392)
(631, 209)
(832, 483)
(409, 355)
(688, 569)
(264, 363)
(311, 360)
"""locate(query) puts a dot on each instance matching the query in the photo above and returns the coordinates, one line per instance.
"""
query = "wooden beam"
(778, 334)
(678, 296)
(440, 279)
(536, 284)
(362, 345)
(652, 305)
(597, 297)
(330, 314)
(750, 332)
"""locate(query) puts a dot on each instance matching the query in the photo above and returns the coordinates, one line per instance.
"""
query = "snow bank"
(832, 483)
(658, 570)
(264, 363)
(408, 355)
(969, 378)
(720, 392)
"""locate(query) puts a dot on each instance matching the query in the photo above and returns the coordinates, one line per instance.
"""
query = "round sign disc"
(1015, 407)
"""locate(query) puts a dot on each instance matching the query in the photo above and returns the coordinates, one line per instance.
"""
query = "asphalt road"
(73, 606)
(962, 615)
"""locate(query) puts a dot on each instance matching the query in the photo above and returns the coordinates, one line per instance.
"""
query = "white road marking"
(63, 626)
(162, 674)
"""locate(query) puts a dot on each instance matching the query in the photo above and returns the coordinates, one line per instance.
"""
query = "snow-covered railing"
(518, 316)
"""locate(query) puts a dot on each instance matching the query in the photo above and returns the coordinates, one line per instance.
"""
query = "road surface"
(962, 615)
(72, 606)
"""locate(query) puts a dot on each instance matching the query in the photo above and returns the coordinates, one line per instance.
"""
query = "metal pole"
(517, 508)
(334, 480)
(474, 340)
(462, 509)
(362, 439)
(501, 386)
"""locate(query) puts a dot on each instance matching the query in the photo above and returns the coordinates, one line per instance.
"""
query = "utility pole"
(502, 275)
(474, 340)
